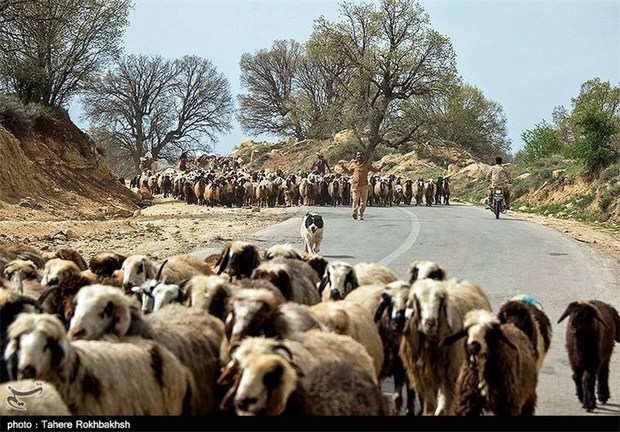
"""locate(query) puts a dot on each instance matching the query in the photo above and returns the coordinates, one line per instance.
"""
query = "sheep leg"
(445, 401)
(578, 385)
(602, 382)
(429, 402)
(588, 381)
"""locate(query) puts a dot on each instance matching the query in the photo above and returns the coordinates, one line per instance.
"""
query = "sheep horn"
(20, 281)
(47, 292)
(286, 349)
(449, 340)
(159, 272)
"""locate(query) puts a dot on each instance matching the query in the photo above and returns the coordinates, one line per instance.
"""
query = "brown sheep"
(238, 259)
(593, 328)
(498, 372)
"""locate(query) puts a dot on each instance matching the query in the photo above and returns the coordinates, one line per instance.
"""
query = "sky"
(528, 55)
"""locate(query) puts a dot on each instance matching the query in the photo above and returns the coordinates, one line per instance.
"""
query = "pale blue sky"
(527, 55)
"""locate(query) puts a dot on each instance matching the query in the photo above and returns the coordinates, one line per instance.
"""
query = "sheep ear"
(324, 282)
(385, 298)
(413, 270)
(567, 312)
(222, 261)
(453, 321)
(503, 338)
(599, 317)
(449, 340)
(122, 318)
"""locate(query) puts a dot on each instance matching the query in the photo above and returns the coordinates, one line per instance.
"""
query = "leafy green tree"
(595, 145)
(540, 142)
(162, 106)
(391, 55)
(47, 48)
(466, 117)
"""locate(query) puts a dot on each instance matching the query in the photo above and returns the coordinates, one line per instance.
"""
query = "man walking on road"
(358, 169)
(320, 164)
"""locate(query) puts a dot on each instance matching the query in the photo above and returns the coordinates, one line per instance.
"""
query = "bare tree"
(268, 77)
(149, 104)
(48, 47)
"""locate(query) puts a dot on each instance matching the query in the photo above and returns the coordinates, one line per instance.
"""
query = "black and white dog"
(312, 232)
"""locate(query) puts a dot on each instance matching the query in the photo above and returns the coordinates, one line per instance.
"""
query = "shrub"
(16, 117)
(610, 173)
(607, 197)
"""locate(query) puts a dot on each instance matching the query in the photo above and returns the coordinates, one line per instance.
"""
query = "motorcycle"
(499, 203)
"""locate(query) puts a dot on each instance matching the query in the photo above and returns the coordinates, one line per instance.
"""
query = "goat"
(592, 329)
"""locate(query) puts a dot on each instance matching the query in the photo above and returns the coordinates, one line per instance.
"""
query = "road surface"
(505, 257)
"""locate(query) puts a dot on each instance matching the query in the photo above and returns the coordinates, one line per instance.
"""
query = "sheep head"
(582, 313)
(136, 270)
(250, 310)
(100, 309)
(267, 381)
(394, 300)
(426, 270)
(37, 347)
(429, 299)
(57, 271)
(338, 280)
(238, 259)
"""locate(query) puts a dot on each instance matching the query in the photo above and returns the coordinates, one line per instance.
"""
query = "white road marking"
(409, 241)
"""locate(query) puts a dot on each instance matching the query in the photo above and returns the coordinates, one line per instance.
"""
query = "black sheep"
(590, 334)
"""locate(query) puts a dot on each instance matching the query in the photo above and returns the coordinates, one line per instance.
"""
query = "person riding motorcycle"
(500, 178)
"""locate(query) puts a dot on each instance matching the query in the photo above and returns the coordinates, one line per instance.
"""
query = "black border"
(324, 424)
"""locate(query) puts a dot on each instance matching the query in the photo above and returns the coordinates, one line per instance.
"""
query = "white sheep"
(192, 334)
(438, 309)
(98, 378)
(353, 320)
(137, 269)
(341, 277)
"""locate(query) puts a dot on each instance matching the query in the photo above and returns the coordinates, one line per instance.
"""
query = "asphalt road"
(505, 257)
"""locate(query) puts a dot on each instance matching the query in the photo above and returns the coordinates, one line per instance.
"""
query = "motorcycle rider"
(500, 178)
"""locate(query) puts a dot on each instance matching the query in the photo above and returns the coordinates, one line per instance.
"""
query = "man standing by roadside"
(358, 170)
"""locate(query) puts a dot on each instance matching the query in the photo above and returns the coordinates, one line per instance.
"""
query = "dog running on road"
(312, 232)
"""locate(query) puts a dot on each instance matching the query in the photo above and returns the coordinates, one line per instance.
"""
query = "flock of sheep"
(252, 331)
(239, 187)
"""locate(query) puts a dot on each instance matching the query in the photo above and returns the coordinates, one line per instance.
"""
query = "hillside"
(54, 172)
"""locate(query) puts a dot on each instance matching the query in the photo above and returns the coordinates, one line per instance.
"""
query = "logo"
(14, 401)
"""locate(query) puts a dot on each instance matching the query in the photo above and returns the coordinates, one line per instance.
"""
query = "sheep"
(527, 315)
(69, 255)
(438, 308)
(17, 399)
(317, 262)
(105, 264)
(268, 385)
(340, 278)
(282, 251)
(139, 268)
(13, 251)
(353, 320)
(424, 269)
(62, 280)
(499, 368)
(590, 334)
(11, 305)
(388, 305)
(238, 259)
(98, 378)
(254, 311)
(209, 293)
(193, 335)
(26, 276)
(295, 278)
